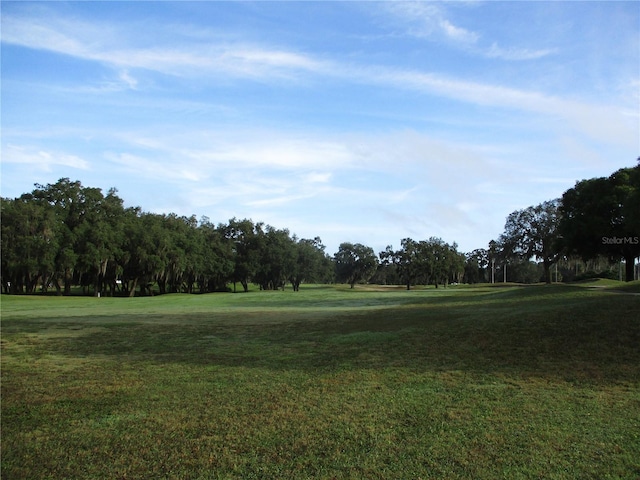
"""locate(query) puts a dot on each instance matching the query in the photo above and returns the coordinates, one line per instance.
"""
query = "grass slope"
(514, 382)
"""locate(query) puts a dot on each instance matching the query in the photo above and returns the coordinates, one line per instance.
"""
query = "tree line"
(598, 220)
(64, 234)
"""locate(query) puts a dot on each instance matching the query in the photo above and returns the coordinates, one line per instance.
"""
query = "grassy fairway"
(535, 382)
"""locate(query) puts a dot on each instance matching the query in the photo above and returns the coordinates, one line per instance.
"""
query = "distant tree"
(275, 258)
(601, 216)
(524, 271)
(355, 263)
(410, 260)
(65, 197)
(442, 261)
(533, 233)
(244, 236)
(476, 264)
(309, 260)
(426, 261)
(218, 264)
(99, 238)
(88, 231)
(455, 262)
(29, 244)
(142, 259)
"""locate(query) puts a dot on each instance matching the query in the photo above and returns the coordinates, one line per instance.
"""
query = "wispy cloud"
(41, 159)
(206, 56)
(78, 39)
(601, 122)
(153, 168)
(514, 53)
(432, 20)
(428, 19)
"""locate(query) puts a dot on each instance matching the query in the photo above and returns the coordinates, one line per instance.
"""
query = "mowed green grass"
(328, 382)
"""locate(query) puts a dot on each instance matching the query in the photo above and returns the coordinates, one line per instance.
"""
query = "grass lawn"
(479, 383)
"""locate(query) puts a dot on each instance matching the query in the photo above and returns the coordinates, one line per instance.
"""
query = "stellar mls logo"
(620, 240)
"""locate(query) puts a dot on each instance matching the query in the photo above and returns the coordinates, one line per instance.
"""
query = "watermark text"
(620, 240)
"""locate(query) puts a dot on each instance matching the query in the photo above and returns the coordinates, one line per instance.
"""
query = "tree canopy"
(426, 261)
(601, 216)
(355, 263)
(533, 232)
(65, 234)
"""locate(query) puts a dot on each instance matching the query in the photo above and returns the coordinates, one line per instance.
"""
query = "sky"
(362, 122)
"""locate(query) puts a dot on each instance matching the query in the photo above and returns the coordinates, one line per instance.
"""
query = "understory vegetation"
(371, 382)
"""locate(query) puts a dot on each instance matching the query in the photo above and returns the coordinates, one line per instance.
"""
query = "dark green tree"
(88, 232)
(534, 233)
(476, 266)
(29, 244)
(275, 257)
(601, 216)
(355, 263)
(244, 238)
(217, 267)
(410, 260)
(309, 261)
(439, 260)
(141, 260)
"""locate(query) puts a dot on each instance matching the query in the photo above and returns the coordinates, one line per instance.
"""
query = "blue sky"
(352, 121)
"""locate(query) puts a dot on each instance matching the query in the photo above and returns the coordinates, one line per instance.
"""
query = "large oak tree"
(534, 233)
(601, 216)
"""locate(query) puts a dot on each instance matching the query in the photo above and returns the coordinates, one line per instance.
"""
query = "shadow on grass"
(557, 333)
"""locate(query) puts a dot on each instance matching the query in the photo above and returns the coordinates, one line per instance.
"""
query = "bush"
(609, 274)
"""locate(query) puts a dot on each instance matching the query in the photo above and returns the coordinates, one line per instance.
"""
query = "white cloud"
(154, 169)
(209, 55)
(317, 177)
(128, 80)
(276, 201)
(431, 20)
(605, 123)
(514, 53)
(103, 43)
(42, 159)
(428, 19)
(268, 150)
(457, 33)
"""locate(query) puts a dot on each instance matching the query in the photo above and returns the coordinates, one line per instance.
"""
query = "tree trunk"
(56, 283)
(547, 272)
(67, 282)
(132, 289)
(97, 285)
(629, 261)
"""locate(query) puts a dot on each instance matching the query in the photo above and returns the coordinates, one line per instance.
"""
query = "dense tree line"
(64, 234)
(431, 261)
